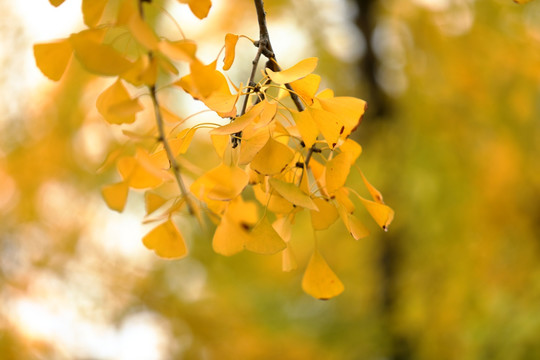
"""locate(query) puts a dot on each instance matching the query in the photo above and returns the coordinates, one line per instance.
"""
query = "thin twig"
(162, 137)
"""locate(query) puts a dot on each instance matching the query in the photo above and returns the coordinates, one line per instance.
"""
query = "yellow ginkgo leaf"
(325, 216)
(115, 195)
(292, 193)
(142, 32)
(382, 214)
(229, 238)
(170, 117)
(306, 127)
(342, 197)
(307, 87)
(181, 144)
(230, 46)
(221, 183)
(337, 171)
(274, 202)
(263, 239)
(375, 194)
(166, 241)
(352, 148)
(52, 58)
(301, 69)
(273, 158)
(56, 3)
(125, 108)
(92, 11)
(268, 114)
(356, 228)
(207, 84)
(319, 280)
(116, 106)
(199, 8)
(181, 50)
(252, 142)
(522, 1)
(135, 175)
(96, 57)
(330, 126)
(153, 202)
(349, 110)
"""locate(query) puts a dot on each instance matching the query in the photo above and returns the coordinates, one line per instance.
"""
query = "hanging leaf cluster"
(285, 149)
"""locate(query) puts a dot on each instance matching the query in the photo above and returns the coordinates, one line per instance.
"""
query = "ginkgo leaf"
(330, 126)
(181, 50)
(263, 239)
(207, 84)
(181, 143)
(352, 148)
(349, 110)
(307, 87)
(230, 46)
(272, 201)
(273, 158)
(252, 142)
(125, 108)
(199, 8)
(375, 194)
(337, 171)
(268, 113)
(56, 3)
(306, 127)
(356, 228)
(296, 72)
(522, 1)
(98, 58)
(288, 260)
(166, 241)
(342, 197)
(142, 32)
(170, 117)
(382, 214)
(115, 195)
(325, 216)
(153, 202)
(229, 238)
(92, 11)
(135, 175)
(292, 193)
(221, 183)
(116, 106)
(52, 58)
(319, 280)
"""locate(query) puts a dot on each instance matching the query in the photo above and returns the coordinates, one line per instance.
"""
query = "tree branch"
(162, 137)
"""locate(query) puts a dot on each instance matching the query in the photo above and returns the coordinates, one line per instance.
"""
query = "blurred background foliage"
(451, 138)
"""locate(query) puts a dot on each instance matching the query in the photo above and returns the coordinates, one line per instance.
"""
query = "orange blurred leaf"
(199, 8)
(52, 58)
(230, 46)
(92, 11)
(96, 57)
(166, 241)
(115, 195)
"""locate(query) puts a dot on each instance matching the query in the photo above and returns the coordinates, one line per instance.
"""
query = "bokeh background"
(451, 138)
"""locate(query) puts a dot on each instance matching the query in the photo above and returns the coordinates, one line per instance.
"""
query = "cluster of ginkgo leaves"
(292, 158)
